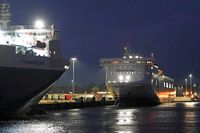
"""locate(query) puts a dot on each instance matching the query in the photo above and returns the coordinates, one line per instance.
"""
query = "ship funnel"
(4, 15)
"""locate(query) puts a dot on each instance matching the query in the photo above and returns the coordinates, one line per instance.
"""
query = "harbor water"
(165, 118)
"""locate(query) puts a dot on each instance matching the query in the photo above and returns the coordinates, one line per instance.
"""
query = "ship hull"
(19, 85)
(137, 95)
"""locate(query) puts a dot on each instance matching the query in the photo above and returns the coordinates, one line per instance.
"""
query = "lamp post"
(106, 74)
(186, 87)
(190, 76)
(73, 63)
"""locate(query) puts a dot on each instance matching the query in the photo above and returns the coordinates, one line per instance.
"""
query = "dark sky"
(92, 29)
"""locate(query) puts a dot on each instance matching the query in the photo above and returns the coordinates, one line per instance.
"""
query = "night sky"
(93, 29)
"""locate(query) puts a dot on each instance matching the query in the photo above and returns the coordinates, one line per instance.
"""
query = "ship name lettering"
(124, 70)
(32, 62)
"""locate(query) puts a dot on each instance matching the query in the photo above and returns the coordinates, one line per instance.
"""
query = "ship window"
(169, 85)
(156, 83)
(152, 81)
(166, 85)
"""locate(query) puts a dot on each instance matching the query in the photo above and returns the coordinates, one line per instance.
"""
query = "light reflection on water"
(30, 126)
(126, 117)
(172, 117)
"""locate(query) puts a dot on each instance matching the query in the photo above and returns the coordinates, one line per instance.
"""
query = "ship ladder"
(110, 89)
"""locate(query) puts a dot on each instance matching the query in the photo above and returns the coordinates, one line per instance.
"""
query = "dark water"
(172, 117)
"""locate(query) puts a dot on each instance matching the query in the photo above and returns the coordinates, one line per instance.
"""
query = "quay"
(68, 101)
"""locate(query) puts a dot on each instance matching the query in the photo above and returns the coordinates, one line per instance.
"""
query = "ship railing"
(15, 27)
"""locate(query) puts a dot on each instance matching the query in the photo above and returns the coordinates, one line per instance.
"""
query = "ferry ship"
(137, 81)
(30, 63)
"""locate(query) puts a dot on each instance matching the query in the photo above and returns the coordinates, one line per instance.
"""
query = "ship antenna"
(152, 56)
(4, 15)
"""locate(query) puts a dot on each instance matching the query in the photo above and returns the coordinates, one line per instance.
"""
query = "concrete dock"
(68, 101)
(182, 99)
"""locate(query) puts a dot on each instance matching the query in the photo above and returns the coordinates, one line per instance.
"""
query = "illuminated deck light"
(121, 77)
(39, 24)
(128, 77)
(66, 67)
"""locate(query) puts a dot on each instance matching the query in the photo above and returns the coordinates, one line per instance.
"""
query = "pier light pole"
(73, 63)
(106, 74)
(190, 76)
(186, 93)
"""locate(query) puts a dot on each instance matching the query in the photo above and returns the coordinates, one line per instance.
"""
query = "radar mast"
(4, 15)
(127, 52)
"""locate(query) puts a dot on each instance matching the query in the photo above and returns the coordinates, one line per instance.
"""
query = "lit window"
(120, 77)
(128, 77)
